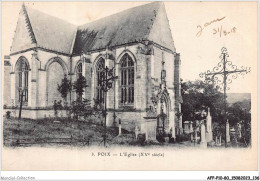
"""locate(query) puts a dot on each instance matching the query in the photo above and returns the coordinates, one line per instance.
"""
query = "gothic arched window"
(99, 69)
(127, 80)
(22, 71)
(79, 70)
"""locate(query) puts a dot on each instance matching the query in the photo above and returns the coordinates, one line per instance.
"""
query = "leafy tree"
(81, 107)
(239, 112)
(79, 86)
(197, 96)
(64, 88)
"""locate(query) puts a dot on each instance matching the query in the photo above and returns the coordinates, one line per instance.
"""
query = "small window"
(79, 70)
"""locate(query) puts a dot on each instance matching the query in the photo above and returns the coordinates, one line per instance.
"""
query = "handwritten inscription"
(221, 32)
(201, 28)
(215, 30)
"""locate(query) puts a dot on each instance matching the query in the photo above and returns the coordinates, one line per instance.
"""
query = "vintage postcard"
(129, 86)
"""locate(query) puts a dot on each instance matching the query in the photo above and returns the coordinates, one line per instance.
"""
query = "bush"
(8, 114)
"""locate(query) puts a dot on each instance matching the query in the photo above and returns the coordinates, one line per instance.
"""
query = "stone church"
(137, 42)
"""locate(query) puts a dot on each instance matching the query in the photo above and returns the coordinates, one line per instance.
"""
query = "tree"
(197, 96)
(79, 86)
(239, 112)
(64, 88)
(81, 107)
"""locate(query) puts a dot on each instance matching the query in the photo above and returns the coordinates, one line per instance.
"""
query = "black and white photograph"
(129, 86)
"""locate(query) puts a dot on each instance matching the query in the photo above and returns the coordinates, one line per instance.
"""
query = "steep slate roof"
(47, 31)
(128, 26)
(146, 22)
(51, 32)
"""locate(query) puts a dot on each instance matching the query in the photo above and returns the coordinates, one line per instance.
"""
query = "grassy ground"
(46, 132)
(22, 132)
(60, 132)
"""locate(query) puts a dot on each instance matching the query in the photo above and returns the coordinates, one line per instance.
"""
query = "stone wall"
(34, 114)
(39, 62)
(7, 82)
(147, 66)
(129, 119)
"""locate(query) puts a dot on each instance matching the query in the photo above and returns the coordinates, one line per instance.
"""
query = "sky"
(197, 29)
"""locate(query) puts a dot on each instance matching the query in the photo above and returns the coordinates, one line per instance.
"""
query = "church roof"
(128, 26)
(51, 32)
(146, 22)
(44, 30)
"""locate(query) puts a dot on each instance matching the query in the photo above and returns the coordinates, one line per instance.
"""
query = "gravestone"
(191, 131)
(150, 128)
(119, 129)
(195, 136)
(191, 128)
(136, 132)
(186, 127)
(239, 130)
(203, 142)
(218, 140)
(227, 132)
(209, 136)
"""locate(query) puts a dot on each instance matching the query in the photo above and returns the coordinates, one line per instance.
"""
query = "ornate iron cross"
(223, 74)
(106, 82)
(107, 78)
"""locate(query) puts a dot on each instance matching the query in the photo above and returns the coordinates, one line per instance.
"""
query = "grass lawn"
(27, 132)
(61, 132)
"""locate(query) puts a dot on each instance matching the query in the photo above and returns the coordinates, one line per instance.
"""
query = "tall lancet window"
(79, 70)
(99, 72)
(127, 80)
(22, 71)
